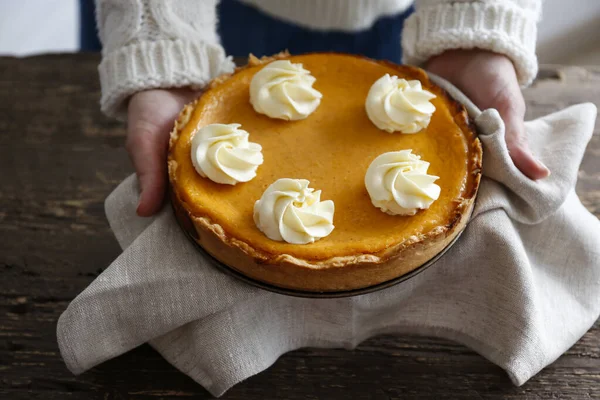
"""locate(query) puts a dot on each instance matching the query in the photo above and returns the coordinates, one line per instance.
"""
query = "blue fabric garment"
(88, 32)
(244, 29)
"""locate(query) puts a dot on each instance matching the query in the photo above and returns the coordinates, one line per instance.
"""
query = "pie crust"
(359, 260)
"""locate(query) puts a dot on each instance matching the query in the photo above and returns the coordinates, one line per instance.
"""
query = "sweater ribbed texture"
(149, 65)
(497, 26)
(151, 44)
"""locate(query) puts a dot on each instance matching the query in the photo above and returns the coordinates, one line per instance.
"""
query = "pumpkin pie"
(332, 148)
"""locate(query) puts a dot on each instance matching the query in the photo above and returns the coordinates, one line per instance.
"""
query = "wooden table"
(60, 158)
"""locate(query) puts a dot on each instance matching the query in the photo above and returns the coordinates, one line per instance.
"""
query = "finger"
(150, 115)
(520, 153)
(147, 147)
(510, 104)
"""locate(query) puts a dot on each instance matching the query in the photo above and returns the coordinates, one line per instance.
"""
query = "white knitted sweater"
(173, 43)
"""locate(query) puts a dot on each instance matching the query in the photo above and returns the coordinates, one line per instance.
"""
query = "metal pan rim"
(319, 295)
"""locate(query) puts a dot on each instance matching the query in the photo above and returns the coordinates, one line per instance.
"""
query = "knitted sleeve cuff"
(158, 64)
(498, 27)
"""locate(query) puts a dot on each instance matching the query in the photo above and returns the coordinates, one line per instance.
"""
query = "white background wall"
(38, 26)
(569, 32)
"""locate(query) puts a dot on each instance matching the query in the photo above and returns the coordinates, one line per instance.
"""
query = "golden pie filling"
(332, 148)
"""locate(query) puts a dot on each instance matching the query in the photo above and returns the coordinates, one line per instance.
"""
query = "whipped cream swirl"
(395, 104)
(291, 211)
(284, 90)
(223, 154)
(398, 183)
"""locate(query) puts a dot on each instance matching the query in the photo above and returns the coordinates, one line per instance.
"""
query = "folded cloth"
(520, 286)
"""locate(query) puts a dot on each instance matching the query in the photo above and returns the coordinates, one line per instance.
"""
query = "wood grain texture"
(60, 158)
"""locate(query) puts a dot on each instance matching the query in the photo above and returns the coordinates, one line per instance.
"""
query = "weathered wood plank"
(60, 158)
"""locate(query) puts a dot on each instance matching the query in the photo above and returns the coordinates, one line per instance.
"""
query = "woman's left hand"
(490, 81)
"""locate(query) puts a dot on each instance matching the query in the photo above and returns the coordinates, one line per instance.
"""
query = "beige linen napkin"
(520, 286)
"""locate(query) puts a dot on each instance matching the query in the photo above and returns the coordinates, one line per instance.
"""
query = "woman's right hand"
(150, 118)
